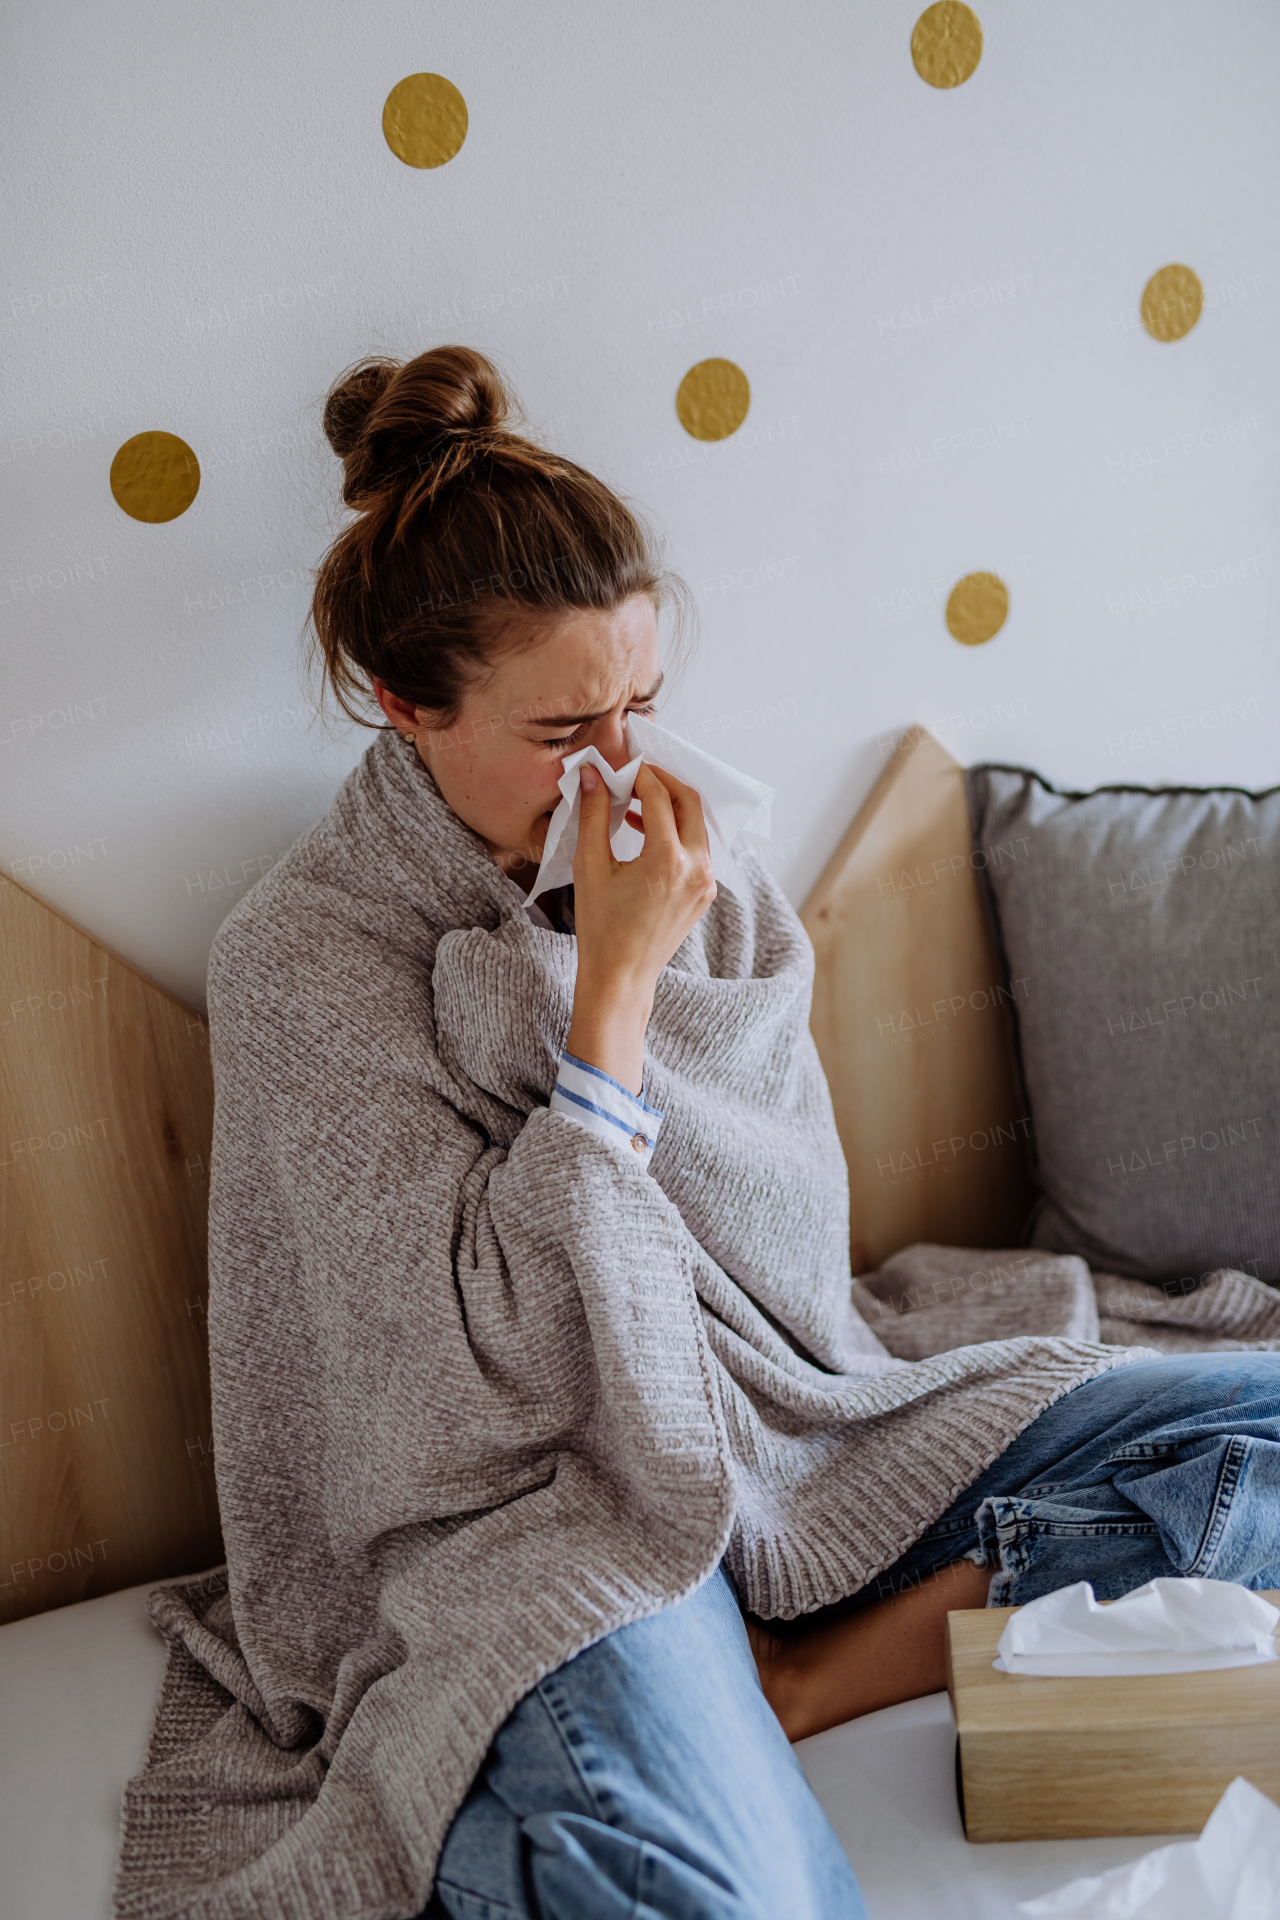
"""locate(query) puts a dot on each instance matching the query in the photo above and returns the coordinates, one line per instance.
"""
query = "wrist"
(613, 995)
(607, 1031)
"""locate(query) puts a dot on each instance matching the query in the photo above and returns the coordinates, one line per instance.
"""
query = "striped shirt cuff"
(598, 1103)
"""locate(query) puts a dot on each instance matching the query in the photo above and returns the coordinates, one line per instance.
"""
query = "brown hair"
(465, 529)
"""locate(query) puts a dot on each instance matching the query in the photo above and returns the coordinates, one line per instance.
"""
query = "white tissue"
(1168, 1626)
(732, 804)
(1232, 1872)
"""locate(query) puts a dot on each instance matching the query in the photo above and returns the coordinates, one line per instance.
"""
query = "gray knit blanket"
(483, 1389)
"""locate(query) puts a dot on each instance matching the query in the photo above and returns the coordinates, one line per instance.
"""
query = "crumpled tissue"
(733, 804)
(1168, 1626)
(1232, 1872)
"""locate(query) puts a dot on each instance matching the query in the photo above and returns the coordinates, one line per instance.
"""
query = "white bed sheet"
(77, 1688)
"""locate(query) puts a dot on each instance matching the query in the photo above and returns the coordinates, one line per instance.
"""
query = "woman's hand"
(631, 915)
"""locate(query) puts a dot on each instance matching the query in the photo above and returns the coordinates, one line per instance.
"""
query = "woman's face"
(570, 685)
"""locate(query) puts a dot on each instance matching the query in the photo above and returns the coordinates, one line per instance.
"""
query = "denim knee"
(648, 1771)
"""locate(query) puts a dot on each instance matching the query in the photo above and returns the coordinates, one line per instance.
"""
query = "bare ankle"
(889, 1651)
(780, 1678)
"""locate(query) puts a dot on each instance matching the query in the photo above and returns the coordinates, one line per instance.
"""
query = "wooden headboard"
(911, 1020)
(106, 1461)
(106, 1457)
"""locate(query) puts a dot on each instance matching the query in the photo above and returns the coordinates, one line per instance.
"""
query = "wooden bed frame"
(106, 1450)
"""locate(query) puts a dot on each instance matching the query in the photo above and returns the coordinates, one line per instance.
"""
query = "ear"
(403, 717)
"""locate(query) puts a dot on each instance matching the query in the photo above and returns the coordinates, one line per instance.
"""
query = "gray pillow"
(1138, 932)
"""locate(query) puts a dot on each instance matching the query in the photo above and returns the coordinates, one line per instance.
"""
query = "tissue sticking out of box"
(1168, 1626)
(733, 804)
(1232, 1872)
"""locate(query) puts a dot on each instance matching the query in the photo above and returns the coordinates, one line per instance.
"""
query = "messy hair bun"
(463, 524)
(351, 400)
(385, 421)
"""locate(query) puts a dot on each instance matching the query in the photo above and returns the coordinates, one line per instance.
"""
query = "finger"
(593, 820)
(659, 816)
(686, 807)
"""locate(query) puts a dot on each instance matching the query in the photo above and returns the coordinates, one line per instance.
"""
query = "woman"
(539, 1396)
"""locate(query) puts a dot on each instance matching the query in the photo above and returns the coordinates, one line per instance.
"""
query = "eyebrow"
(578, 719)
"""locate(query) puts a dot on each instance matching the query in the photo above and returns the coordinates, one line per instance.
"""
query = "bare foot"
(889, 1651)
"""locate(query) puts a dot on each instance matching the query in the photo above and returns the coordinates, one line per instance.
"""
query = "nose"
(609, 737)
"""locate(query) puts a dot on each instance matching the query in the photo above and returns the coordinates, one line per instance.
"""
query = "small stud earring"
(411, 738)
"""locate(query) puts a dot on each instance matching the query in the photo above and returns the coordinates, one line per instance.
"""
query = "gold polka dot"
(155, 476)
(712, 400)
(977, 608)
(946, 44)
(424, 120)
(1172, 302)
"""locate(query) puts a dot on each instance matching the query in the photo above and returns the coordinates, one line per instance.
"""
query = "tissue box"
(1051, 1759)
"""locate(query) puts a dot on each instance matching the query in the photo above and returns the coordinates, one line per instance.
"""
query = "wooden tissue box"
(1066, 1759)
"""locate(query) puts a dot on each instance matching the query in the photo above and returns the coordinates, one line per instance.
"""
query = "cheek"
(530, 790)
(504, 792)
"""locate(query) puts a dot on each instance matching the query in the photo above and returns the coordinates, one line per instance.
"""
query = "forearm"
(610, 1016)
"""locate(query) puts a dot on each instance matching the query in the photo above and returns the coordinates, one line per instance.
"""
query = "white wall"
(206, 224)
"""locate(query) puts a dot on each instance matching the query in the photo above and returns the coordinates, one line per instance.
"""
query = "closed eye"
(567, 739)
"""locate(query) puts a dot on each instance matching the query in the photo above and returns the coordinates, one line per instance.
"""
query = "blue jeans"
(1160, 1469)
(648, 1777)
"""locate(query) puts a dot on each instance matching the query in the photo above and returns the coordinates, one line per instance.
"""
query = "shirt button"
(639, 1142)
